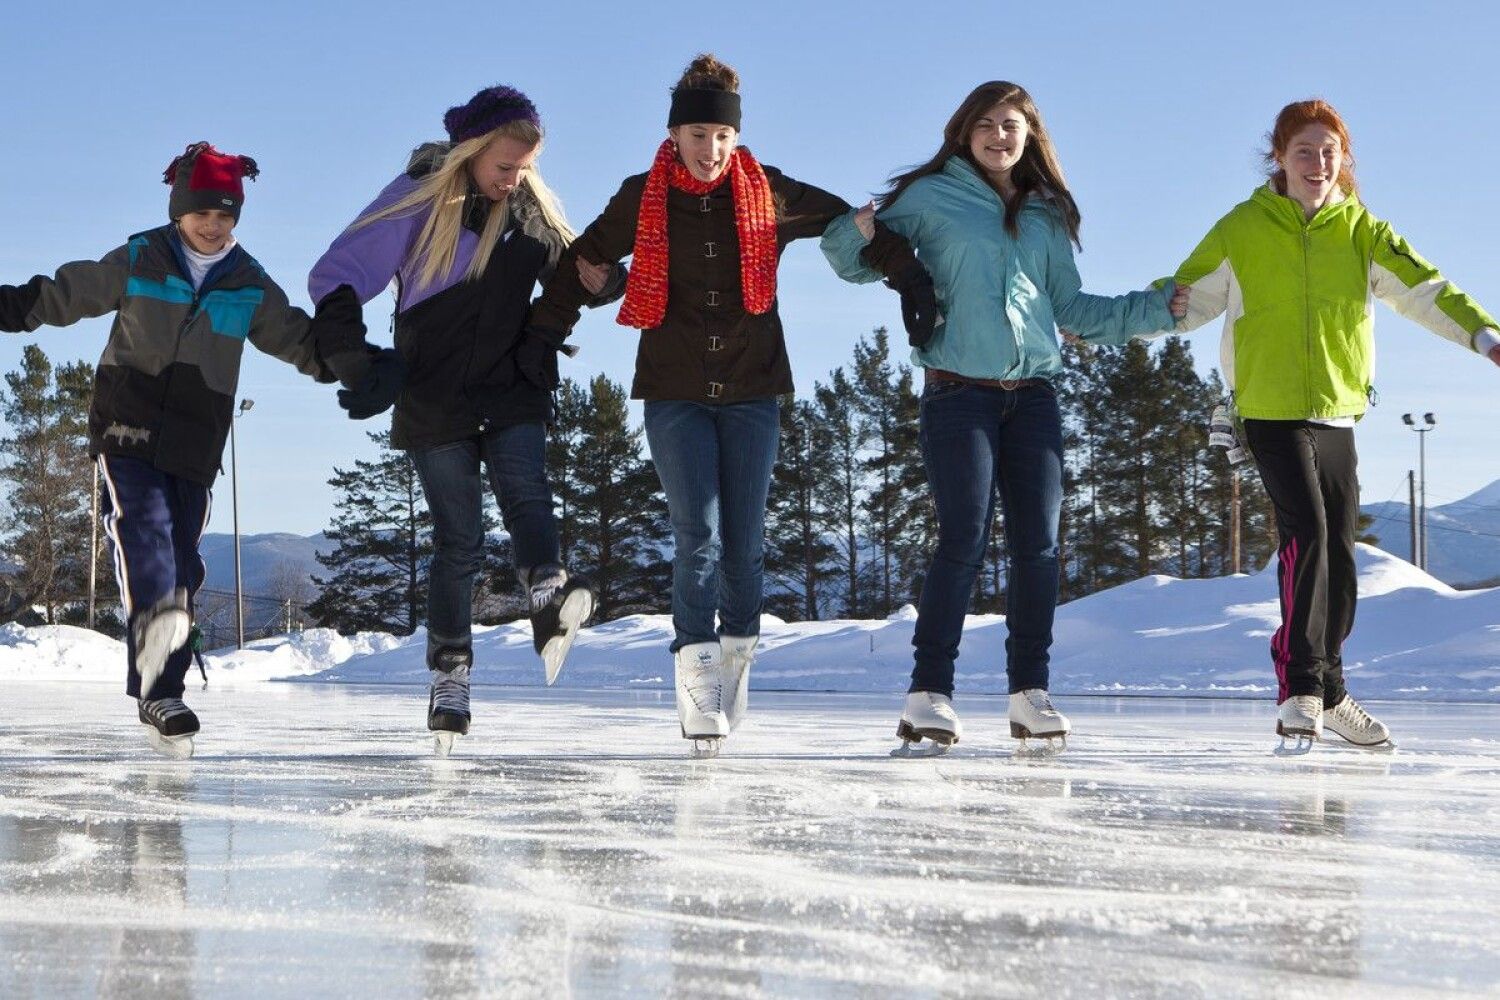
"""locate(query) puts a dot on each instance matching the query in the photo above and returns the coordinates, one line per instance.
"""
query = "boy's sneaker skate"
(700, 691)
(1350, 720)
(448, 702)
(170, 726)
(160, 631)
(927, 715)
(739, 654)
(1300, 717)
(560, 604)
(1032, 716)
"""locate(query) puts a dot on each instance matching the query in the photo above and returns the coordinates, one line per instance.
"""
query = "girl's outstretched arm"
(1406, 282)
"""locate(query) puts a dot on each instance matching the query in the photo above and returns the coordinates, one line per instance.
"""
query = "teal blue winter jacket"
(1001, 299)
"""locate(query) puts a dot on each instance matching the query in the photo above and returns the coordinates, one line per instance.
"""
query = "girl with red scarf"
(706, 226)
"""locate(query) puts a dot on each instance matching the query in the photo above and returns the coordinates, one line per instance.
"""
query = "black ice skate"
(560, 604)
(448, 702)
(170, 726)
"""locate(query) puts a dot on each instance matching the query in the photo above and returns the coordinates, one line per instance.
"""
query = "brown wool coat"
(708, 349)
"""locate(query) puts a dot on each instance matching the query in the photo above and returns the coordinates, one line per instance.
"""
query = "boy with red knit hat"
(186, 297)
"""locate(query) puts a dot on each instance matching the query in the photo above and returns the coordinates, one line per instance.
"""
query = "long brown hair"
(1037, 172)
(1293, 119)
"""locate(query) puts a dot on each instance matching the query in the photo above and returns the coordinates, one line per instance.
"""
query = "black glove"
(536, 356)
(918, 303)
(16, 301)
(338, 331)
(378, 390)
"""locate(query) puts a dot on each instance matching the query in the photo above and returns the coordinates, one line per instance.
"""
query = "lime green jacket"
(1297, 293)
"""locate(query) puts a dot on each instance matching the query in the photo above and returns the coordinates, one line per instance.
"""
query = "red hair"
(1293, 119)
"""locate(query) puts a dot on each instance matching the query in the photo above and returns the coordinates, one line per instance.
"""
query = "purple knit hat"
(487, 111)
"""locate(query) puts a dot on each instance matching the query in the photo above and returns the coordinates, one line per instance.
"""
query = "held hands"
(864, 221)
(536, 355)
(378, 390)
(918, 303)
(1178, 306)
(593, 276)
(1494, 354)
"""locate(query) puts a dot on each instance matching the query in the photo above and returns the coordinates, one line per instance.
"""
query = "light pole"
(234, 494)
(1430, 421)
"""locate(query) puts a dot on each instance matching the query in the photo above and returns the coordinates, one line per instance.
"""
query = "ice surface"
(569, 848)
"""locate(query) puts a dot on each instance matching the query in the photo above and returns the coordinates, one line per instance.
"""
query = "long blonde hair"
(442, 195)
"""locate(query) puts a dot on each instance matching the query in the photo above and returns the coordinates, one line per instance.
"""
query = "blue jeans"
(715, 466)
(515, 459)
(154, 522)
(977, 440)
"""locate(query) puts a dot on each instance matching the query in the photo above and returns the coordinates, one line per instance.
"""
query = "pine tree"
(621, 518)
(383, 536)
(799, 557)
(49, 475)
(839, 491)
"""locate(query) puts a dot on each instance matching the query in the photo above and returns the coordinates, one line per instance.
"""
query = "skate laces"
(698, 681)
(164, 708)
(1038, 699)
(450, 691)
(545, 587)
(1353, 713)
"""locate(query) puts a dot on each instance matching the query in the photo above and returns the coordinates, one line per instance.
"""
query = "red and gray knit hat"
(203, 178)
(487, 111)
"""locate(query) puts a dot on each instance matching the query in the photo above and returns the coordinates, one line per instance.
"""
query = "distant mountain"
(262, 559)
(1463, 543)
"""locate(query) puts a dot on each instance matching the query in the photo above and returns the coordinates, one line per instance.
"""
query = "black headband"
(695, 106)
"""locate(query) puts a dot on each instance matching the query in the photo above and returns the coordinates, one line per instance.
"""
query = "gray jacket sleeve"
(79, 290)
(284, 331)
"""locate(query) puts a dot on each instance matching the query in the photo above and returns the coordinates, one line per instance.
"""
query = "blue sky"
(1158, 112)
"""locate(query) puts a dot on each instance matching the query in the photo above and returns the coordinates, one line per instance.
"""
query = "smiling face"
(501, 165)
(1312, 162)
(705, 149)
(997, 141)
(206, 232)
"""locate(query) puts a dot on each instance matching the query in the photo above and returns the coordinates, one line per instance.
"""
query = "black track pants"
(1309, 470)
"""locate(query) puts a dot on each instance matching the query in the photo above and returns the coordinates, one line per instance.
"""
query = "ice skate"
(1301, 717)
(560, 604)
(700, 690)
(1033, 717)
(739, 653)
(170, 726)
(448, 703)
(927, 715)
(160, 631)
(1349, 720)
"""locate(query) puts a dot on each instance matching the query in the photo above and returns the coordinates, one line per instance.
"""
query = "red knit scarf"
(754, 220)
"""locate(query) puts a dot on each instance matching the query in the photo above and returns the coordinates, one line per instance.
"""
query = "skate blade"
(1385, 746)
(705, 747)
(1302, 745)
(912, 751)
(575, 610)
(175, 747)
(442, 743)
(1053, 745)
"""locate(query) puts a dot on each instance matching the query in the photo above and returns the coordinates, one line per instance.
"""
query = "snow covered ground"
(1415, 638)
(573, 850)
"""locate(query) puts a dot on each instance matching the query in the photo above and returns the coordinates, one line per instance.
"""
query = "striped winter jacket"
(1296, 294)
(165, 386)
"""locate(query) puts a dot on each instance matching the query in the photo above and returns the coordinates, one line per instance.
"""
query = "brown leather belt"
(1009, 384)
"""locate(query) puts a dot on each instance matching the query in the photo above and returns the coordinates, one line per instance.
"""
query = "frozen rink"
(569, 848)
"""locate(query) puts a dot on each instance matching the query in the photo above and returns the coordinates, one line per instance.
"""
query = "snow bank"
(1416, 637)
(58, 652)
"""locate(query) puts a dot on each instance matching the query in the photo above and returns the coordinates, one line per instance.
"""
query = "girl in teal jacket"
(994, 223)
(1294, 270)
